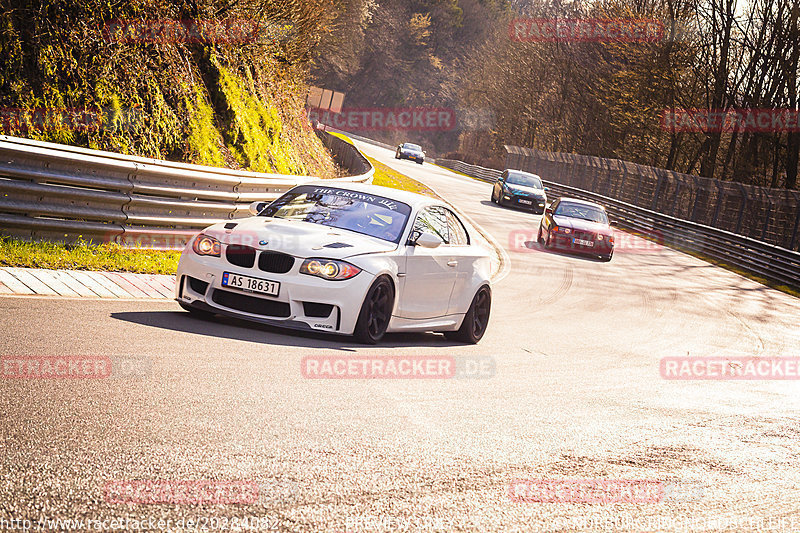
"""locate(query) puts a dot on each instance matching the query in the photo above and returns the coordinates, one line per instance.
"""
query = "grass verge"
(387, 177)
(110, 257)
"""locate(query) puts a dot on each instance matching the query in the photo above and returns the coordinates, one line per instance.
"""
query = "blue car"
(520, 189)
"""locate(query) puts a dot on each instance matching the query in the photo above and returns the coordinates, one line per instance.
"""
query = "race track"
(575, 393)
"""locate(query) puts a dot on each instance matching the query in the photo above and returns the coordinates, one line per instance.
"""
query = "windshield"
(364, 213)
(585, 212)
(524, 180)
(409, 146)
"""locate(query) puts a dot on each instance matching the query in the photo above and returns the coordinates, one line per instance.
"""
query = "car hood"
(297, 238)
(528, 190)
(582, 225)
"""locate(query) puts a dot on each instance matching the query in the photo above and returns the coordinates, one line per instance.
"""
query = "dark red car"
(579, 226)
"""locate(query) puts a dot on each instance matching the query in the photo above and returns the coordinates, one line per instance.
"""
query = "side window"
(458, 233)
(433, 220)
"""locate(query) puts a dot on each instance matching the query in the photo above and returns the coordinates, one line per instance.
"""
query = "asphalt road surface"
(572, 392)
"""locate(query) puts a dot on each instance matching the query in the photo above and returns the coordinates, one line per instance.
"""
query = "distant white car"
(410, 151)
(357, 260)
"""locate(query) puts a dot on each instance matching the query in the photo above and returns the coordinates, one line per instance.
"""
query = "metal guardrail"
(764, 214)
(772, 262)
(486, 174)
(60, 192)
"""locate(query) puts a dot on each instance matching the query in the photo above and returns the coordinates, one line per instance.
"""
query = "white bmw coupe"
(357, 260)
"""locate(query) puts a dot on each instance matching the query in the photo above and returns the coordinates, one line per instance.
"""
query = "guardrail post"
(621, 189)
(796, 219)
(741, 208)
(657, 192)
(607, 165)
(720, 194)
(678, 187)
(693, 215)
(766, 219)
(638, 183)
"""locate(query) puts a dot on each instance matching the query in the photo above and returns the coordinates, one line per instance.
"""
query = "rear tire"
(376, 311)
(475, 321)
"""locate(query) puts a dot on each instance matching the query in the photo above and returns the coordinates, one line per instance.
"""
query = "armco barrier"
(59, 192)
(764, 214)
(767, 260)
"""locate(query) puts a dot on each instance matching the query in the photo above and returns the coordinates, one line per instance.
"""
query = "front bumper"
(303, 301)
(525, 202)
(411, 157)
(567, 242)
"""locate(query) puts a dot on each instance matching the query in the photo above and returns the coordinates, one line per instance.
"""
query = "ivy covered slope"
(199, 81)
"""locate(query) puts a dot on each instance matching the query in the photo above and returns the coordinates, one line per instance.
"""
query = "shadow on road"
(533, 246)
(510, 208)
(231, 328)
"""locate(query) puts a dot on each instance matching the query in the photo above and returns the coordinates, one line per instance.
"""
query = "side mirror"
(613, 223)
(426, 240)
(548, 210)
(256, 207)
(547, 189)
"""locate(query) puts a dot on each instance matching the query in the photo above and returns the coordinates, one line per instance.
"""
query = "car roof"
(515, 171)
(411, 198)
(581, 202)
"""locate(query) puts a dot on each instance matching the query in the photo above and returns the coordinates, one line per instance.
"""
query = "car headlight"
(330, 269)
(205, 245)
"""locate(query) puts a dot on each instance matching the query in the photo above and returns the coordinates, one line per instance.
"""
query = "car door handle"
(452, 263)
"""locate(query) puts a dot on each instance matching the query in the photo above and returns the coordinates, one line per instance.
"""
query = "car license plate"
(526, 202)
(582, 242)
(248, 284)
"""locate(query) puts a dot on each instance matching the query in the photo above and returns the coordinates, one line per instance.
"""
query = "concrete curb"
(85, 284)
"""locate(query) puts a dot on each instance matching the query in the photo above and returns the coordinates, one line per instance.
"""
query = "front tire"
(539, 237)
(607, 258)
(375, 312)
(475, 321)
(547, 243)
